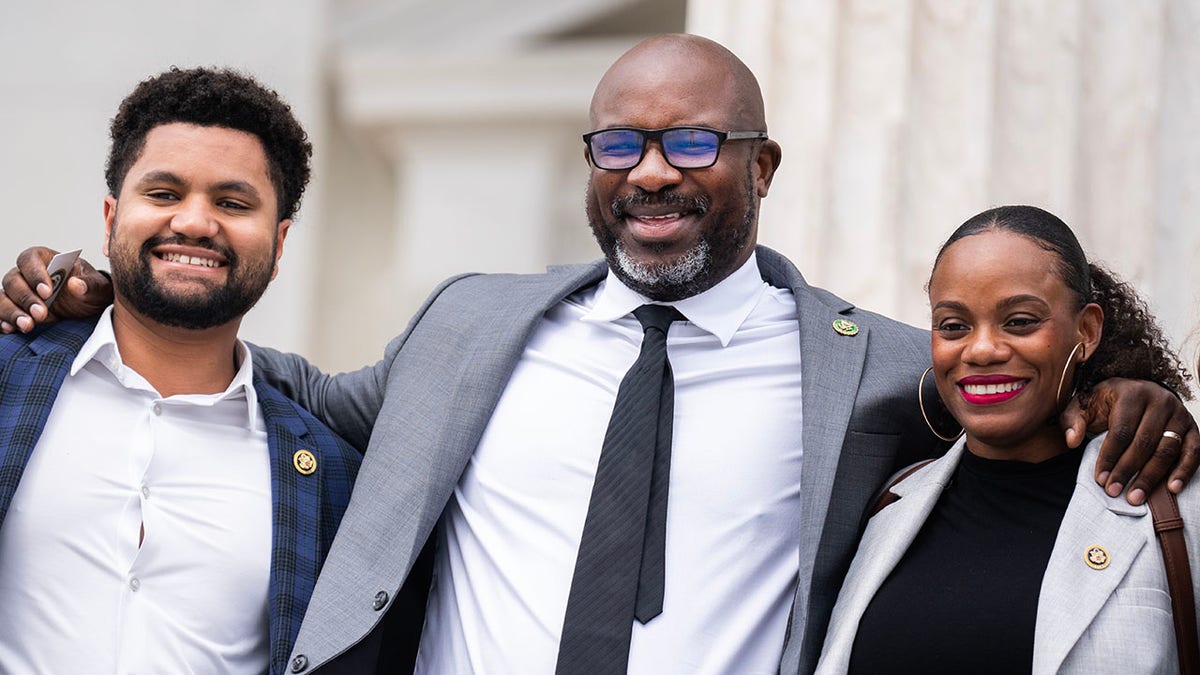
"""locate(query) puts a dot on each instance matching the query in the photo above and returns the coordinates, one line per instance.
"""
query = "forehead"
(665, 89)
(203, 155)
(993, 265)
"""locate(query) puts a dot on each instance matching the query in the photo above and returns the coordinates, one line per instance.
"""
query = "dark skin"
(1135, 412)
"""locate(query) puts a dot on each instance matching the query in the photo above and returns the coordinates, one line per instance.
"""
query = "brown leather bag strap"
(1168, 524)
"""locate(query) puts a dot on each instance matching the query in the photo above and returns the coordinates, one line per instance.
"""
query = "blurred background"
(446, 135)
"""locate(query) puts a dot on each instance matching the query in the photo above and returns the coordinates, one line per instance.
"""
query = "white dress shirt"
(512, 530)
(77, 592)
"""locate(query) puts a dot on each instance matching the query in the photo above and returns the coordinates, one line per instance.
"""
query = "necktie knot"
(658, 316)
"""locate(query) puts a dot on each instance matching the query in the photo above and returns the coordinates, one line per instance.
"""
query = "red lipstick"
(990, 389)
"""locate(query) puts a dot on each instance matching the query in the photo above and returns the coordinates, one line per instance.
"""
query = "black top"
(964, 596)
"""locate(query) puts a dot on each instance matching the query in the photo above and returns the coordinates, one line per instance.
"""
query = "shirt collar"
(720, 310)
(101, 347)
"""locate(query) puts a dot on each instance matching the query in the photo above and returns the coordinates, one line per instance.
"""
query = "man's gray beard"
(674, 275)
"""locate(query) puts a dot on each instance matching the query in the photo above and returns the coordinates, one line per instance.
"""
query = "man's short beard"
(135, 282)
(695, 271)
(674, 278)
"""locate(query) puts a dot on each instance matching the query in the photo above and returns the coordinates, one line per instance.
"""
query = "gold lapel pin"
(304, 461)
(1096, 557)
(845, 327)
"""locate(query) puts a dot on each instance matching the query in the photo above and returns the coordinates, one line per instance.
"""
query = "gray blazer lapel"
(831, 365)
(1072, 592)
(442, 387)
(886, 540)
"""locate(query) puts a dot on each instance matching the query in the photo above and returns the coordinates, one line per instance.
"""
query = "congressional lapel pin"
(845, 327)
(1096, 557)
(304, 461)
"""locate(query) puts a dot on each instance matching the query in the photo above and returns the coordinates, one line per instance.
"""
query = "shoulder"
(503, 284)
(278, 409)
(63, 336)
(782, 273)
(486, 298)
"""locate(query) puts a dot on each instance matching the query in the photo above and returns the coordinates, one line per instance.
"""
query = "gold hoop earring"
(1066, 367)
(921, 404)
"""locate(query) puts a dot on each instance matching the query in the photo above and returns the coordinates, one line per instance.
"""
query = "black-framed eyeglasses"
(621, 148)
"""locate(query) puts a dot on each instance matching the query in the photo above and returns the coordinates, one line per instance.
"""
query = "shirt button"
(146, 492)
(135, 584)
(157, 409)
(299, 663)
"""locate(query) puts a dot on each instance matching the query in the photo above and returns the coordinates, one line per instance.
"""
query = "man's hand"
(27, 286)
(1136, 413)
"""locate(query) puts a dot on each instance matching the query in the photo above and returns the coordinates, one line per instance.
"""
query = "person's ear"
(281, 231)
(110, 218)
(769, 154)
(1090, 327)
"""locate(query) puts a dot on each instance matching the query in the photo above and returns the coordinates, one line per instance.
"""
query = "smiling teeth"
(985, 389)
(665, 216)
(190, 260)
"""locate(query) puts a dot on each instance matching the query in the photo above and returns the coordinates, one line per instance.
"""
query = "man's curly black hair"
(213, 97)
(1132, 344)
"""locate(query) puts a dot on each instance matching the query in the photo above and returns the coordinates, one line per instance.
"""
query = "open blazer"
(306, 510)
(1114, 620)
(426, 404)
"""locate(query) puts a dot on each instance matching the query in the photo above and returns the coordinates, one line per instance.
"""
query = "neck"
(1042, 445)
(176, 360)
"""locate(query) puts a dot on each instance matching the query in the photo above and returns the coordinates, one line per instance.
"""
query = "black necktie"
(619, 572)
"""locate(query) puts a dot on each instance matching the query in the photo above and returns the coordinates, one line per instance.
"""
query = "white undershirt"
(512, 530)
(77, 594)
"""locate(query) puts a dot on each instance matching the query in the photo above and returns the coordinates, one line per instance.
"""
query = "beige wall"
(899, 119)
(65, 66)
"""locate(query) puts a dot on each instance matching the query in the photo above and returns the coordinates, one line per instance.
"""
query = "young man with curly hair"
(163, 509)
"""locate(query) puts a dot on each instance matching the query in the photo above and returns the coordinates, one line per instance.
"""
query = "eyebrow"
(161, 177)
(1003, 304)
(171, 178)
(1021, 299)
(237, 186)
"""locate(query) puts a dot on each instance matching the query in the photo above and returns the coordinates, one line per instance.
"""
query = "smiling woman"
(991, 559)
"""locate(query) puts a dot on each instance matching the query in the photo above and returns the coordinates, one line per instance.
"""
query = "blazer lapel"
(886, 540)
(295, 512)
(1072, 591)
(831, 365)
(435, 413)
(499, 333)
(29, 385)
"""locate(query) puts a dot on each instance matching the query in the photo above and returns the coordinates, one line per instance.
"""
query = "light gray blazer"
(421, 411)
(1114, 620)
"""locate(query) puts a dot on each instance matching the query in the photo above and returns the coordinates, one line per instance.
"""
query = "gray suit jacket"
(1114, 620)
(422, 410)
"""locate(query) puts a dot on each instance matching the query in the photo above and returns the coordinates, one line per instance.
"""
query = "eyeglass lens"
(683, 148)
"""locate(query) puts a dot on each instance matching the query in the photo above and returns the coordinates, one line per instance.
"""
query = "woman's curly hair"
(1132, 344)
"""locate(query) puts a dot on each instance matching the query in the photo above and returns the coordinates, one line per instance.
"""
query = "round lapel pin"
(845, 327)
(1096, 557)
(304, 461)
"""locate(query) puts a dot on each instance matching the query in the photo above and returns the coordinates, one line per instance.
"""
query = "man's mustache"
(674, 200)
(177, 240)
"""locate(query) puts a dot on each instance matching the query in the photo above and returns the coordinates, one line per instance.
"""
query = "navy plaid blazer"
(306, 510)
